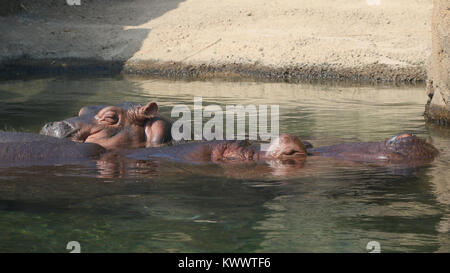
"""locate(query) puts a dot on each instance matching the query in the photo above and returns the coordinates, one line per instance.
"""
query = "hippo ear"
(149, 110)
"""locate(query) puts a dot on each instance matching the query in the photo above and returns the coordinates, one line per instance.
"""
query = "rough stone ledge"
(376, 73)
(437, 114)
(438, 83)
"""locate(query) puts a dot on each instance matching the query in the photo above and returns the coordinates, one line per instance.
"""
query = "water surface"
(159, 206)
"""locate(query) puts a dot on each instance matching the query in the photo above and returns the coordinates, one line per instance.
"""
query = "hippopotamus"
(126, 125)
(24, 149)
(404, 149)
(286, 147)
(20, 149)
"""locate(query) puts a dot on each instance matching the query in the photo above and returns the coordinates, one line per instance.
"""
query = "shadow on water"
(52, 99)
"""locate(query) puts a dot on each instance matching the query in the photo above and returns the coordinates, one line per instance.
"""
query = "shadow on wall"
(103, 31)
(51, 34)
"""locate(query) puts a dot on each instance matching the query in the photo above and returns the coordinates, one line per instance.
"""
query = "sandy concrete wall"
(438, 84)
(362, 40)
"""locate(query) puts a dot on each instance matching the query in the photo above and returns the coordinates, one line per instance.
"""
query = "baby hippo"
(284, 147)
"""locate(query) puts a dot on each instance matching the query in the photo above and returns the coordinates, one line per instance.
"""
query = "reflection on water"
(116, 205)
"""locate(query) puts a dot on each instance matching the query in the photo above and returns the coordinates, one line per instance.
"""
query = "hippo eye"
(291, 152)
(109, 118)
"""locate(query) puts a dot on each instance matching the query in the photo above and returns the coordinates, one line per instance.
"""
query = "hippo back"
(23, 148)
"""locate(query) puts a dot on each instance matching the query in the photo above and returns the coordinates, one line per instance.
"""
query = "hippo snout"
(59, 129)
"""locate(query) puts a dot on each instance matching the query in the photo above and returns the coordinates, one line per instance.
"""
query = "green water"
(159, 206)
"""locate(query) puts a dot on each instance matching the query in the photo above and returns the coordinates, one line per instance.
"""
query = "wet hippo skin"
(403, 148)
(285, 147)
(406, 149)
(126, 125)
(17, 149)
(20, 148)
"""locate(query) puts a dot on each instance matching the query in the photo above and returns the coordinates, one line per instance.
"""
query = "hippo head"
(406, 147)
(286, 146)
(126, 125)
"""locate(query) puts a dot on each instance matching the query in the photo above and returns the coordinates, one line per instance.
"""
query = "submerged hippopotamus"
(126, 125)
(285, 147)
(21, 149)
(403, 148)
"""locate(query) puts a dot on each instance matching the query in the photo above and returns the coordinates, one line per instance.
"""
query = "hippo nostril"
(71, 134)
